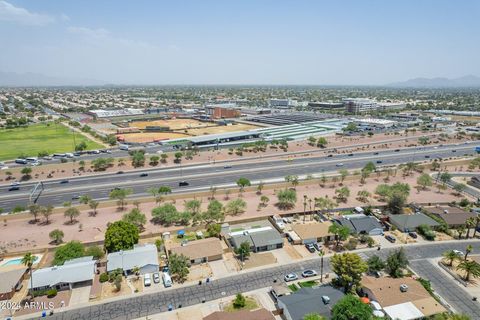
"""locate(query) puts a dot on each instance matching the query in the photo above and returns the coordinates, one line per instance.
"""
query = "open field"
(152, 136)
(221, 129)
(173, 124)
(40, 137)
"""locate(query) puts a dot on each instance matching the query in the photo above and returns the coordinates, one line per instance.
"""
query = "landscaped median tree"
(34, 210)
(120, 195)
(424, 181)
(56, 235)
(93, 204)
(138, 158)
(351, 308)
(349, 268)
(178, 265)
(136, 217)
(26, 171)
(287, 198)
(242, 183)
(121, 235)
(235, 207)
(72, 213)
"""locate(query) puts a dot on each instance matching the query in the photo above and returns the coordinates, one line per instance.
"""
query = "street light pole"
(321, 254)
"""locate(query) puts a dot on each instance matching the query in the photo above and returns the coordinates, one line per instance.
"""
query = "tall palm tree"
(468, 250)
(28, 260)
(471, 268)
(451, 256)
(470, 223)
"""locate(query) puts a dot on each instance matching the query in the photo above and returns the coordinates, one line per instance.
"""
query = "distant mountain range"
(12, 79)
(462, 82)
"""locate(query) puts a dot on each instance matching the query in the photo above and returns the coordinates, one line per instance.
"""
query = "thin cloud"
(10, 13)
(90, 33)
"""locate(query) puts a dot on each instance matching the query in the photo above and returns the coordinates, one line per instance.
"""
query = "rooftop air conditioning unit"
(403, 288)
(326, 299)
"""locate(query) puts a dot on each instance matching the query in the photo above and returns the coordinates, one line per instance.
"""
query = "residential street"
(148, 304)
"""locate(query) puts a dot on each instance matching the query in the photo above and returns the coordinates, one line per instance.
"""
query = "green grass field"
(33, 139)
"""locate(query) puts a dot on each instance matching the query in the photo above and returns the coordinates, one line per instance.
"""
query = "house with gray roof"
(319, 300)
(410, 222)
(64, 277)
(144, 257)
(361, 224)
(261, 239)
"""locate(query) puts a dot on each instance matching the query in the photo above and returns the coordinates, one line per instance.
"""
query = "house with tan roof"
(10, 280)
(313, 231)
(453, 216)
(402, 298)
(199, 251)
(259, 314)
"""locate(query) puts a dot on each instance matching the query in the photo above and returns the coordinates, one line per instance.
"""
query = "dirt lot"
(109, 290)
(259, 259)
(173, 124)
(145, 137)
(221, 129)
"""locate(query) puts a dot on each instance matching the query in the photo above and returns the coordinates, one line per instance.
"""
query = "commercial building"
(200, 251)
(79, 271)
(282, 103)
(326, 105)
(402, 298)
(309, 300)
(371, 123)
(145, 257)
(359, 105)
(222, 111)
(101, 113)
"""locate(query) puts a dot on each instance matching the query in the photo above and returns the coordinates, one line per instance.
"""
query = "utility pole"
(321, 254)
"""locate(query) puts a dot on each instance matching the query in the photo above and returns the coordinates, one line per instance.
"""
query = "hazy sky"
(242, 41)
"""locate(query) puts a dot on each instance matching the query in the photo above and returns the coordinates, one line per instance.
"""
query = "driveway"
(80, 295)
(219, 269)
(282, 256)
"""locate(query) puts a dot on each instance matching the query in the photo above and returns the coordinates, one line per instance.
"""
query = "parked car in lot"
(390, 238)
(310, 247)
(317, 246)
(290, 277)
(309, 273)
(147, 280)
(156, 277)
(413, 235)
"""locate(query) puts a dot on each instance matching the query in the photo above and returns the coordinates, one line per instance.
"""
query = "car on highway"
(116, 188)
(427, 157)
(14, 183)
(454, 150)
(390, 238)
(350, 154)
(413, 235)
(64, 181)
(144, 174)
(14, 188)
(290, 277)
(309, 273)
(379, 161)
(375, 153)
(227, 166)
(183, 184)
(147, 280)
(156, 277)
(339, 164)
(396, 150)
(330, 155)
(310, 247)
(119, 172)
(75, 197)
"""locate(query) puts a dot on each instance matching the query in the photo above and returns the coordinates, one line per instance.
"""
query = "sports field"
(36, 138)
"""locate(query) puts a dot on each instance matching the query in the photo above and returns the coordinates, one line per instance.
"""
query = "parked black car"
(390, 238)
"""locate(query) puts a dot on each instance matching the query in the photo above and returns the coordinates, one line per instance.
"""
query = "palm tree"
(28, 260)
(136, 271)
(451, 256)
(471, 268)
(470, 223)
(468, 250)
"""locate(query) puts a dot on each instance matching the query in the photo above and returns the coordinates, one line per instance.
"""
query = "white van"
(167, 280)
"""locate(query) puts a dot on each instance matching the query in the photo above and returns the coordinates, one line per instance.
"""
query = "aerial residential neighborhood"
(239, 160)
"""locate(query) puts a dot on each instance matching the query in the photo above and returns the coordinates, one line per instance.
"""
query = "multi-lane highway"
(201, 177)
(149, 304)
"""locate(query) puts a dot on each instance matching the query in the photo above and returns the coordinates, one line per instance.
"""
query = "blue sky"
(362, 42)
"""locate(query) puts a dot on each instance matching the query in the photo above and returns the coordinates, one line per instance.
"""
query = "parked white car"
(147, 280)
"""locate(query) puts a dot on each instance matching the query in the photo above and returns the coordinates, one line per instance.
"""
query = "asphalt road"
(144, 305)
(201, 177)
